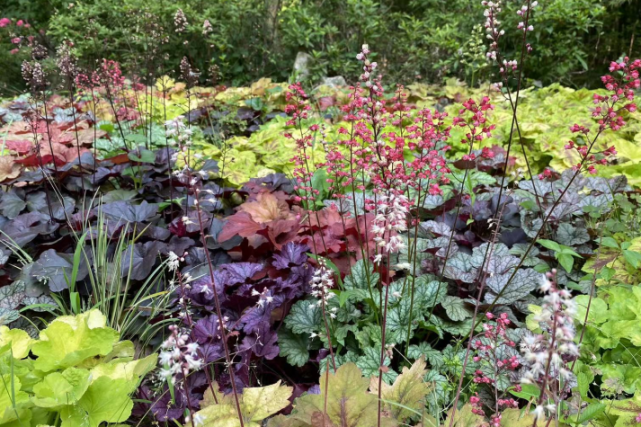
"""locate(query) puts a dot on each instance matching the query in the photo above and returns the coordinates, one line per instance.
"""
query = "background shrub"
(415, 39)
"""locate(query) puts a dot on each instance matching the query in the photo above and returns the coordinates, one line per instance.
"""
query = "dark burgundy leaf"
(24, 228)
(56, 269)
(126, 211)
(137, 263)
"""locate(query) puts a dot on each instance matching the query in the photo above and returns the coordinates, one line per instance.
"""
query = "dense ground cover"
(367, 255)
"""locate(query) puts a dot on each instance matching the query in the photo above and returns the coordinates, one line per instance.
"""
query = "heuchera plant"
(78, 372)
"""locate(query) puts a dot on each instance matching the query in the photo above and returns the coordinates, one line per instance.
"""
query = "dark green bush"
(414, 39)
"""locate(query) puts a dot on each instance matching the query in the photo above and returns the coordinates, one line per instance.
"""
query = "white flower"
(192, 348)
(538, 412)
(165, 373)
(173, 261)
(192, 363)
(165, 358)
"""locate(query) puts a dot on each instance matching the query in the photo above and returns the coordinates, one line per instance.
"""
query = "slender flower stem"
(219, 314)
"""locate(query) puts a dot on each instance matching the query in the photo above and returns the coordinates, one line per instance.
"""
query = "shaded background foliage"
(415, 39)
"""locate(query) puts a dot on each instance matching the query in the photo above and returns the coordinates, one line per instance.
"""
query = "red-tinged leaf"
(325, 102)
(8, 168)
(119, 159)
(242, 224)
(21, 146)
(465, 164)
(33, 160)
(267, 207)
(282, 232)
(17, 128)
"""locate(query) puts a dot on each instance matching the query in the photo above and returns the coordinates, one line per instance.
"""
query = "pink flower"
(15, 40)
(14, 51)
(20, 23)
(4, 22)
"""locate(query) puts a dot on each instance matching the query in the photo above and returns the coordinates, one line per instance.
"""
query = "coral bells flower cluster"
(492, 349)
(492, 9)
(178, 355)
(474, 117)
(173, 261)
(66, 61)
(298, 110)
(179, 134)
(180, 21)
(609, 111)
(322, 283)
(546, 355)
(391, 219)
(369, 67)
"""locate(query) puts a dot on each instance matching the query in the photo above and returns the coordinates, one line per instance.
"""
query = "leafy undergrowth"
(244, 127)
(80, 374)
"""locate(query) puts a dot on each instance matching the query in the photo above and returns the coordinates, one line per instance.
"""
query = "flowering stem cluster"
(547, 355)
(490, 349)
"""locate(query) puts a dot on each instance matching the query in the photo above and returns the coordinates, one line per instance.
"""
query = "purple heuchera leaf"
(293, 286)
(240, 272)
(166, 410)
(211, 353)
(122, 211)
(292, 254)
(256, 317)
(262, 343)
(207, 330)
(201, 292)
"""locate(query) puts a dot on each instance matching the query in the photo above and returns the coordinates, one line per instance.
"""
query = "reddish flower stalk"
(219, 313)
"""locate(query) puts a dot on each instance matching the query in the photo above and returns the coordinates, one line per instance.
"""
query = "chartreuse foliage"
(256, 404)
(344, 400)
(612, 341)
(541, 130)
(81, 374)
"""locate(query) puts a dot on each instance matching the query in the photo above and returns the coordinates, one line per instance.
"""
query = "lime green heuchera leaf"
(464, 417)
(238, 166)
(256, 403)
(60, 389)
(405, 398)
(615, 259)
(348, 402)
(20, 341)
(68, 341)
(624, 314)
(130, 371)
(598, 309)
(12, 399)
(622, 413)
(106, 400)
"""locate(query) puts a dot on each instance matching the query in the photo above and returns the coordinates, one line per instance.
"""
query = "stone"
(301, 65)
(336, 81)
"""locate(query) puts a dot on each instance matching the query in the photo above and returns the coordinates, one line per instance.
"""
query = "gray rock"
(336, 81)
(301, 65)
